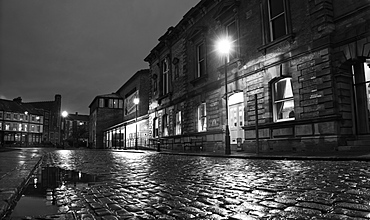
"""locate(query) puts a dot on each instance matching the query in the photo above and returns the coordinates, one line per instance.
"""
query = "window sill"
(198, 80)
(290, 38)
(164, 96)
(283, 120)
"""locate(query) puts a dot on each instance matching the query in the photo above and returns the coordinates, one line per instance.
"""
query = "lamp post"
(224, 47)
(26, 127)
(64, 115)
(136, 102)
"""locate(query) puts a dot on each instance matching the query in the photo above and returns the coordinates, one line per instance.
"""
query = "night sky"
(78, 48)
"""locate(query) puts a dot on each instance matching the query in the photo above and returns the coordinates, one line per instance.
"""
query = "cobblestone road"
(158, 186)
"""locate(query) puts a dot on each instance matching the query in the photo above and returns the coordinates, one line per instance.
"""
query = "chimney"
(18, 100)
(76, 113)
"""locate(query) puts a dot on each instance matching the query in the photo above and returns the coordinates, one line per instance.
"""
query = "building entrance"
(236, 117)
(361, 96)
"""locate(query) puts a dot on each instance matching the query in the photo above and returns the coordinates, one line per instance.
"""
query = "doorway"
(236, 117)
(361, 96)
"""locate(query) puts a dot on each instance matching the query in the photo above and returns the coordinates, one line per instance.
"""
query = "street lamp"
(64, 115)
(136, 102)
(224, 47)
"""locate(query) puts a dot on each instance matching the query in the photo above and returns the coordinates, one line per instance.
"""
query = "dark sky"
(78, 48)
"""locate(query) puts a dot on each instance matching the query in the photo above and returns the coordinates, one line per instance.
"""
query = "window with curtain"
(165, 121)
(283, 101)
(202, 117)
(155, 127)
(178, 123)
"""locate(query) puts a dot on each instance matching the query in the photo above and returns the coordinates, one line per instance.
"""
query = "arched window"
(283, 101)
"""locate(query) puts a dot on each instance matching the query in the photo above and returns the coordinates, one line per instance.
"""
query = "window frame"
(282, 100)
(202, 117)
(268, 40)
(165, 76)
(272, 18)
(200, 60)
(165, 125)
(178, 123)
(155, 127)
(235, 40)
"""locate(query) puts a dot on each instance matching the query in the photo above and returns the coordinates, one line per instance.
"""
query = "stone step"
(354, 148)
(363, 142)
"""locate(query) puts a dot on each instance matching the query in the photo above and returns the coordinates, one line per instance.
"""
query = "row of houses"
(296, 79)
(41, 124)
(30, 123)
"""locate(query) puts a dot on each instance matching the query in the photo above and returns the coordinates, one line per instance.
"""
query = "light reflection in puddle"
(40, 195)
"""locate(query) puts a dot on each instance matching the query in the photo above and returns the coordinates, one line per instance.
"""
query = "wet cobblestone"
(157, 186)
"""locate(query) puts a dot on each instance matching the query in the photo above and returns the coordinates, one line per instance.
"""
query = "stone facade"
(323, 47)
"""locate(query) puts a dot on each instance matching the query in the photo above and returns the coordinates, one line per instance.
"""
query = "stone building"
(105, 111)
(298, 68)
(133, 130)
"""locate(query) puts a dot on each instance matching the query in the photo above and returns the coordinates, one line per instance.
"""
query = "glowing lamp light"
(224, 46)
(136, 101)
(64, 114)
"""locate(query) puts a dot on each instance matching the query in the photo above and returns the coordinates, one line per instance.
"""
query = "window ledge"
(199, 80)
(289, 38)
(164, 96)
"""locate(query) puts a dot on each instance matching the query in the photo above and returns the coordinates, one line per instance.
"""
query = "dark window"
(277, 19)
(201, 62)
(232, 35)
(155, 127)
(165, 77)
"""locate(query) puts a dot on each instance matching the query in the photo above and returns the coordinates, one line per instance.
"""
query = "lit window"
(165, 120)
(277, 18)
(283, 100)
(202, 117)
(178, 123)
(201, 62)
(155, 127)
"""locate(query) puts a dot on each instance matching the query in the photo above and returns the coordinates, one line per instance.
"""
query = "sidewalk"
(333, 156)
(16, 166)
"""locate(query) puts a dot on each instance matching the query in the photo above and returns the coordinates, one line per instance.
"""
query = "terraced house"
(297, 77)
(30, 123)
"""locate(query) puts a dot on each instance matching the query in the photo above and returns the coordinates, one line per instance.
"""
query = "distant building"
(76, 130)
(298, 68)
(135, 117)
(31, 123)
(105, 111)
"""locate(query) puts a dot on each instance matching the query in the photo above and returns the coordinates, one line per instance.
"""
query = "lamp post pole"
(136, 101)
(224, 46)
(64, 115)
(227, 131)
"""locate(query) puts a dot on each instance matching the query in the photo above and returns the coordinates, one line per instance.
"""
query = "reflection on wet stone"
(117, 185)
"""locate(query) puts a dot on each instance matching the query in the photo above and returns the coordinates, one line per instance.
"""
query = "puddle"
(39, 196)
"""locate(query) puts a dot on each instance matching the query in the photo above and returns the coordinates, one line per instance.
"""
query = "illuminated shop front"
(122, 136)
